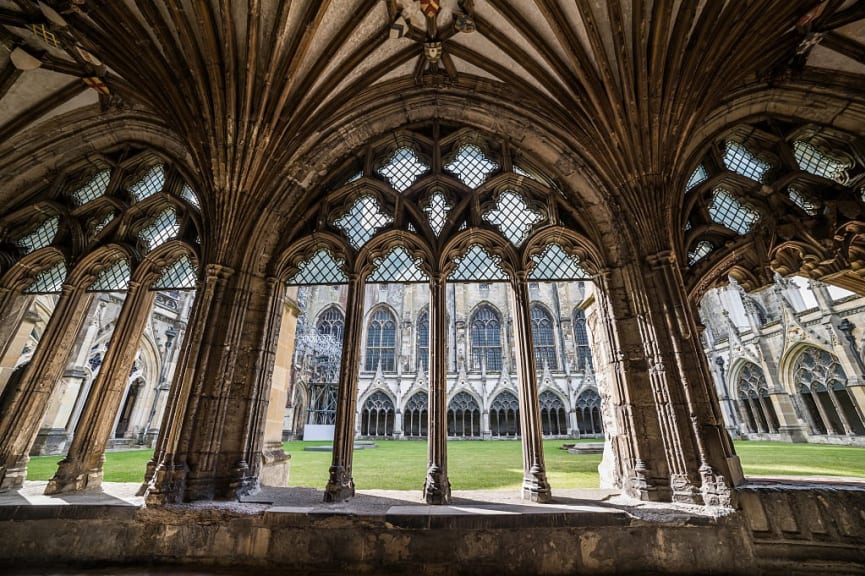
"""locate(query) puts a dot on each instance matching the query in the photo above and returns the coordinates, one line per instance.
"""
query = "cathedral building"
(433, 179)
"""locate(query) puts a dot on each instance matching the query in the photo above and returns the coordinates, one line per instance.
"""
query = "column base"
(535, 486)
(436, 487)
(166, 486)
(12, 477)
(275, 464)
(340, 486)
(72, 476)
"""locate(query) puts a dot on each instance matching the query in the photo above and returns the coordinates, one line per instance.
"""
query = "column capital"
(218, 272)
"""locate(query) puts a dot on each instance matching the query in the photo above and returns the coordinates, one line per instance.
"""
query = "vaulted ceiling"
(246, 83)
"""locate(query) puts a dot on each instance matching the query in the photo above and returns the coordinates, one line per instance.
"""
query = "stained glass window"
(513, 217)
(739, 159)
(381, 342)
(814, 161)
(699, 252)
(321, 268)
(397, 266)
(163, 228)
(188, 194)
(727, 211)
(402, 169)
(556, 264)
(698, 176)
(422, 330)
(96, 187)
(477, 265)
(472, 166)
(49, 281)
(149, 184)
(803, 200)
(581, 338)
(486, 339)
(362, 221)
(437, 210)
(543, 339)
(41, 237)
(114, 278)
(179, 275)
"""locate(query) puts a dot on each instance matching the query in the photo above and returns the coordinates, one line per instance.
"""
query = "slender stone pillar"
(535, 485)
(82, 467)
(340, 485)
(840, 411)
(13, 307)
(26, 404)
(437, 488)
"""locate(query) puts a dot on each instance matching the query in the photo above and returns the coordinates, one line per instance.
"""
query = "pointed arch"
(381, 340)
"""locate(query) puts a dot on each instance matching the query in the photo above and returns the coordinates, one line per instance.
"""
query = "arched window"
(581, 338)
(822, 386)
(377, 416)
(505, 416)
(423, 341)
(543, 339)
(486, 339)
(381, 342)
(754, 400)
(464, 416)
(589, 413)
(554, 421)
(415, 418)
(325, 363)
(331, 323)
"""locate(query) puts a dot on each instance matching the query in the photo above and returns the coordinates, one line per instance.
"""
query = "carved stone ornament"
(432, 51)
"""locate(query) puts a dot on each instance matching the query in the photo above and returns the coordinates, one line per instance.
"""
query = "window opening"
(402, 169)
(729, 212)
(41, 237)
(698, 176)
(49, 281)
(556, 264)
(543, 339)
(179, 275)
(486, 340)
(378, 416)
(581, 337)
(188, 194)
(505, 416)
(812, 160)
(464, 416)
(554, 421)
(803, 200)
(114, 278)
(163, 228)
(324, 353)
(702, 250)
(381, 342)
(95, 225)
(588, 413)
(472, 166)
(95, 188)
(416, 415)
(423, 341)
(823, 388)
(740, 160)
(397, 266)
(362, 221)
(513, 217)
(321, 268)
(437, 210)
(475, 265)
(149, 184)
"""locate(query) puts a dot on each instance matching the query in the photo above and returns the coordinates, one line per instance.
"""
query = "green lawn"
(473, 465)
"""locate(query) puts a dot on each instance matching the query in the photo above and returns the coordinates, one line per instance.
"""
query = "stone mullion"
(830, 429)
(166, 472)
(13, 307)
(437, 489)
(340, 484)
(801, 407)
(757, 410)
(770, 425)
(27, 404)
(632, 451)
(535, 485)
(82, 466)
(691, 384)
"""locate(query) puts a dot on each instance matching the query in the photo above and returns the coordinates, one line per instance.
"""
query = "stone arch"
(378, 414)
(415, 415)
(752, 397)
(554, 413)
(504, 415)
(464, 415)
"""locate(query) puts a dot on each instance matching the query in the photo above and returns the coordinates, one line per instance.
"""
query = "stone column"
(535, 485)
(437, 488)
(25, 406)
(210, 438)
(82, 467)
(16, 324)
(340, 485)
(840, 411)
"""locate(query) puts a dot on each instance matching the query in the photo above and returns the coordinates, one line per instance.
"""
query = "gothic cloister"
(246, 152)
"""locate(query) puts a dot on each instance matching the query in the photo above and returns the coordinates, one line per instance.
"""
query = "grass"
(475, 465)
